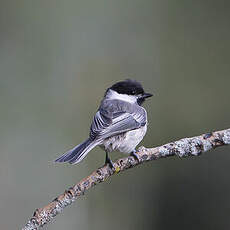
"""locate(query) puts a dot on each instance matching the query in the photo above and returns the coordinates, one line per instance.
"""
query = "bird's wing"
(120, 118)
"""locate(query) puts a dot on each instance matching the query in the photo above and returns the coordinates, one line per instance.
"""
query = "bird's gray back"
(117, 116)
(113, 107)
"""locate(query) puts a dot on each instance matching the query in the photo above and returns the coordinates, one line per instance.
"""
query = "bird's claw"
(109, 162)
(134, 154)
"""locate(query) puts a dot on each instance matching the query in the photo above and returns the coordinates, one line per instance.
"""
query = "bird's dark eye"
(133, 92)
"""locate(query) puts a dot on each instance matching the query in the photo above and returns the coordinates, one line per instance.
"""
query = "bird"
(119, 124)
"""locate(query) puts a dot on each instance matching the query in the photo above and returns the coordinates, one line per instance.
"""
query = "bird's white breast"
(125, 142)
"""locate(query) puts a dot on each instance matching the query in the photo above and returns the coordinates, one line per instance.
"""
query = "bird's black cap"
(129, 87)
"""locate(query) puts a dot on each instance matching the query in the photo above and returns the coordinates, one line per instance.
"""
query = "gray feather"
(78, 153)
(115, 117)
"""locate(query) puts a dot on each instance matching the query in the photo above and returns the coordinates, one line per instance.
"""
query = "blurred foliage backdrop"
(56, 60)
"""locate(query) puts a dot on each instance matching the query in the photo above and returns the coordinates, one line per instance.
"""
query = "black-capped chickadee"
(119, 124)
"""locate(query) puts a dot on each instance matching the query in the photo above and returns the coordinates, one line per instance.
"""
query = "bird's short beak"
(146, 95)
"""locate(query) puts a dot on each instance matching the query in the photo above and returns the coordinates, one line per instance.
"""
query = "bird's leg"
(136, 157)
(108, 160)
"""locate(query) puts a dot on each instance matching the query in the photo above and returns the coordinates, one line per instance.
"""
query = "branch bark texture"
(193, 146)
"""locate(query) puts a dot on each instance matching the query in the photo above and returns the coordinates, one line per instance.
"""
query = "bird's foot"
(109, 162)
(134, 154)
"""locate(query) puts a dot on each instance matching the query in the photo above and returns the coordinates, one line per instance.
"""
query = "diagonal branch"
(193, 146)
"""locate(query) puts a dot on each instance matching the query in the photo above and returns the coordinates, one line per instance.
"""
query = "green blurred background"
(56, 60)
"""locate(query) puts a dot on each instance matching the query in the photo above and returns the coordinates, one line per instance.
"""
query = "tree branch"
(183, 148)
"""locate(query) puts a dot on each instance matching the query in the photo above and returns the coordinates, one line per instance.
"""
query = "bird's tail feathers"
(78, 153)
